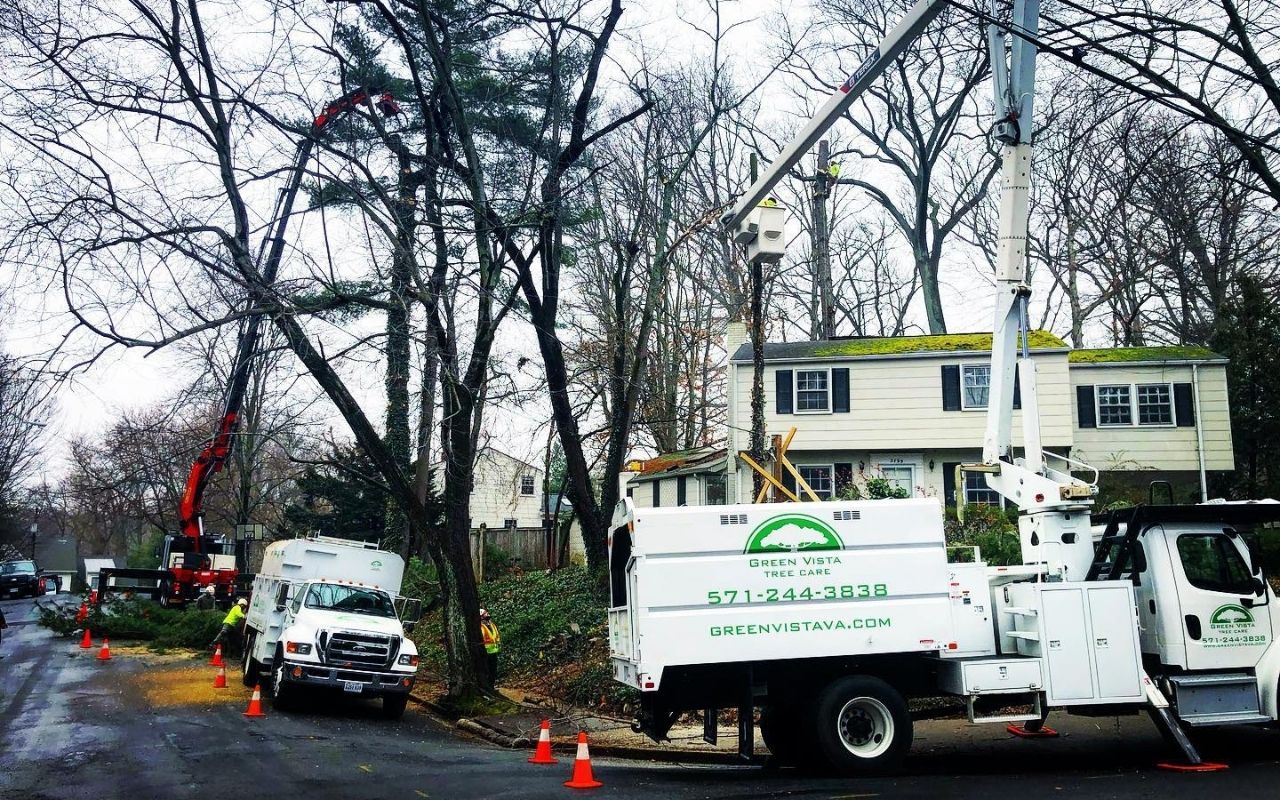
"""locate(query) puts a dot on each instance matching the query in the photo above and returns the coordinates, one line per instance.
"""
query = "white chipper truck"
(326, 613)
(829, 616)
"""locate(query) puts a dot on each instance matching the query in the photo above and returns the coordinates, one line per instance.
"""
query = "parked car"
(20, 579)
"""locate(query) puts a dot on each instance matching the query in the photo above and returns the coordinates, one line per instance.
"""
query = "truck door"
(1226, 620)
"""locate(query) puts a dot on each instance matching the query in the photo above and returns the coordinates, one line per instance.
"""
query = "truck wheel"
(393, 705)
(282, 696)
(250, 667)
(862, 725)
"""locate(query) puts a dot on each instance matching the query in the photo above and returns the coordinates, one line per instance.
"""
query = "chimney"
(735, 335)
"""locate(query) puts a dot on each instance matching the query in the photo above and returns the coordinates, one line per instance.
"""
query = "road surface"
(141, 727)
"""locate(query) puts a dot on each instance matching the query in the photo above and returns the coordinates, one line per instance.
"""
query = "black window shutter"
(657, 493)
(843, 476)
(782, 391)
(1184, 405)
(1017, 390)
(950, 387)
(631, 491)
(840, 390)
(949, 482)
(1084, 407)
(682, 493)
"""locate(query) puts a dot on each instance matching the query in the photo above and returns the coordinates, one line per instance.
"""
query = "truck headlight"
(407, 660)
(301, 648)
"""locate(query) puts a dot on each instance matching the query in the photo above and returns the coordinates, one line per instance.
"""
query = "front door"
(1226, 621)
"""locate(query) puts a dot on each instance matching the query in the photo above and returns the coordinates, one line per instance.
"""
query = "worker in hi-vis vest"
(492, 644)
(230, 632)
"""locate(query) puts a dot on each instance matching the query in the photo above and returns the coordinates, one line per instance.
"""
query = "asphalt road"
(71, 727)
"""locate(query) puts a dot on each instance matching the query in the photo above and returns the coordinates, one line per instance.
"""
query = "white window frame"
(1097, 403)
(831, 471)
(964, 405)
(1134, 417)
(1173, 407)
(795, 392)
(533, 485)
(997, 503)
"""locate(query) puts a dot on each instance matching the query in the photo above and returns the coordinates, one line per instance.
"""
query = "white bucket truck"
(827, 616)
(325, 613)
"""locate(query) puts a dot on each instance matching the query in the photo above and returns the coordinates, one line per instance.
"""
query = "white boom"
(896, 41)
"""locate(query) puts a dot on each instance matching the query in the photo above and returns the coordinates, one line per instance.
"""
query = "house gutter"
(1195, 404)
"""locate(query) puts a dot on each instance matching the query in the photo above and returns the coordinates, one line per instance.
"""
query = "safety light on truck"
(301, 648)
(408, 660)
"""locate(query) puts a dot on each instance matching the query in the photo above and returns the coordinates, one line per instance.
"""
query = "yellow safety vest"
(234, 615)
(492, 640)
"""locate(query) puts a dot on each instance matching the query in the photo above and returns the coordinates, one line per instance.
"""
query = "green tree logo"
(1231, 614)
(375, 564)
(791, 533)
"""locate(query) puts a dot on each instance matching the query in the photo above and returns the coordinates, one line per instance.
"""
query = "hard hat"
(483, 613)
(242, 602)
(209, 589)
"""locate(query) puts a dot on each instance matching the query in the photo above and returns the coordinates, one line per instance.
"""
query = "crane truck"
(828, 617)
(191, 559)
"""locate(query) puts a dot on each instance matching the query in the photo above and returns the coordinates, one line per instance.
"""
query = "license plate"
(355, 687)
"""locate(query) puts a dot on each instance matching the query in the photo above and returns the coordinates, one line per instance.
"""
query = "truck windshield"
(356, 599)
(18, 568)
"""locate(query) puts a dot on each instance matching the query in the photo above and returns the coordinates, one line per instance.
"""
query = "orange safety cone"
(542, 754)
(86, 641)
(83, 613)
(220, 682)
(582, 777)
(255, 703)
(105, 653)
(217, 657)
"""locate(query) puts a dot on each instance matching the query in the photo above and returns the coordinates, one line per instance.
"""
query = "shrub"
(140, 620)
(991, 529)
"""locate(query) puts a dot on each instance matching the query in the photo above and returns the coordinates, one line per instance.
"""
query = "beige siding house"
(909, 409)
(507, 492)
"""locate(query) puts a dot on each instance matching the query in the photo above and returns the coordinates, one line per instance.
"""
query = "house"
(909, 409)
(506, 491)
(690, 477)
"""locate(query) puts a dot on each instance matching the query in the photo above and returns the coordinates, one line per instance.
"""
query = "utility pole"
(823, 307)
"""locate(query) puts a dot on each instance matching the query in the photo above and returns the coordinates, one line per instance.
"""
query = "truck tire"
(393, 705)
(250, 667)
(861, 725)
(282, 695)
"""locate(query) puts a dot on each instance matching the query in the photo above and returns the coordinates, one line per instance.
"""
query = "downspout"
(1195, 407)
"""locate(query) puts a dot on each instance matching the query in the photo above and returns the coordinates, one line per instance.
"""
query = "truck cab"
(326, 614)
(1207, 618)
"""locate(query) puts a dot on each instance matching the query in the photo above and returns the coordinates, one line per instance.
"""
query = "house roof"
(891, 346)
(1131, 355)
(683, 462)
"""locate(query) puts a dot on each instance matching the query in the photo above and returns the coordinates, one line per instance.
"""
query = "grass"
(942, 343)
(1115, 355)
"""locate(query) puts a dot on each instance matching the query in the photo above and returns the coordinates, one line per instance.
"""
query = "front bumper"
(18, 588)
(302, 673)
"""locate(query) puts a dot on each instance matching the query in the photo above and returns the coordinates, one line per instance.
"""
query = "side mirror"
(409, 626)
(1260, 587)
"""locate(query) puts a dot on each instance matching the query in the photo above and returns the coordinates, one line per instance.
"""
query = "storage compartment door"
(1115, 645)
(1064, 637)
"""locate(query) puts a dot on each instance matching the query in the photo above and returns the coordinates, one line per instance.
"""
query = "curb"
(667, 755)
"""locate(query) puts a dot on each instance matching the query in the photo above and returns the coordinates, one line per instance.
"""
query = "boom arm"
(218, 449)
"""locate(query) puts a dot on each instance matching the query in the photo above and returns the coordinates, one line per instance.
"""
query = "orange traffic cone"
(582, 778)
(255, 703)
(220, 682)
(217, 657)
(105, 653)
(542, 754)
(83, 613)
(86, 641)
